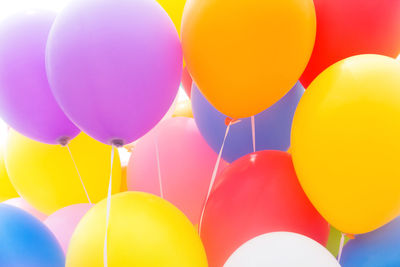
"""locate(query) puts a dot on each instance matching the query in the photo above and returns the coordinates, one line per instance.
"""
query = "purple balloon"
(114, 66)
(26, 101)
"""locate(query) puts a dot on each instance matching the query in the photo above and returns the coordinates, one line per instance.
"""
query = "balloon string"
(214, 175)
(159, 169)
(77, 170)
(253, 132)
(340, 247)
(108, 207)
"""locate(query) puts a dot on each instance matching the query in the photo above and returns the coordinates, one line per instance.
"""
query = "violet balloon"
(272, 126)
(26, 101)
(114, 66)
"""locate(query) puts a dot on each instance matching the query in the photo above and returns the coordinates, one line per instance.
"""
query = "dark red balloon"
(350, 27)
(257, 194)
(187, 81)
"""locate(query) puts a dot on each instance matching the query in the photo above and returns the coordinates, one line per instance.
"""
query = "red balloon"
(350, 27)
(187, 81)
(257, 194)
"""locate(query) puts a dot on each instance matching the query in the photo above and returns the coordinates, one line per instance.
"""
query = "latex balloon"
(333, 244)
(348, 114)
(281, 249)
(124, 179)
(45, 175)
(144, 230)
(20, 203)
(63, 222)
(26, 101)
(272, 126)
(187, 82)
(275, 40)
(259, 193)
(7, 190)
(138, 64)
(174, 8)
(183, 109)
(377, 248)
(345, 29)
(25, 241)
(186, 165)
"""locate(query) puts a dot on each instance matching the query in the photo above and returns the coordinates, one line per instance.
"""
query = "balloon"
(186, 165)
(272, 126)
(345, 29)
(345, 143)
(183, 109)
(45, 175)
(26, 101)
(246, 54)
(377, 248)
(174, 8)
(144, 230)
(114, 66)
(7, 190)
(124, 179)
(281, 249)
(63, 222)
(187, 82)
(25, 241)
(334, 241)
(20, 203)
(259, 193)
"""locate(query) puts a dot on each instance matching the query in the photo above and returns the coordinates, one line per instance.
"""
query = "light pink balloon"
(21, 203)
(186, 165)
(64, 221)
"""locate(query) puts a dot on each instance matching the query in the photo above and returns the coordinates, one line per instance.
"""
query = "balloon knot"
(350, 236)
(117, 142)
(63, 141)
(231, 121)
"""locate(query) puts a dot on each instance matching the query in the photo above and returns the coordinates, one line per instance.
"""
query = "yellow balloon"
(7, 190)
(183, 109)
(345, 143)
(144, 230)
(174, 8)
(45, 175)
(247, 54)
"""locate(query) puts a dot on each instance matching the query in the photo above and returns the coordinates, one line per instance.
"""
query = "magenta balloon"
(26, 101)
(114, 66)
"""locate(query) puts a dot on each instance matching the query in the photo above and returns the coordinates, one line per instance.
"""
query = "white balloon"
(281, 249)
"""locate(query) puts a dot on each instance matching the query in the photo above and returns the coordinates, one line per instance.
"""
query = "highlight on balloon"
(199, 133)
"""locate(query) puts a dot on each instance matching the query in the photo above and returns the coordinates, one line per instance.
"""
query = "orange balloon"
(246, 54)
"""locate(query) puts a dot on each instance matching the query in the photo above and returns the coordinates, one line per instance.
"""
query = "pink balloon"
(64, 221)
(186, 165)
(21, 203)
(114, 66)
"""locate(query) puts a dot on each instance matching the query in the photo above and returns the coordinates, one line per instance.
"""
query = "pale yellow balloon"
(345, 143)
(183, 109)
(45, 175)
(174, 8)
(144, 230)
(7, 190)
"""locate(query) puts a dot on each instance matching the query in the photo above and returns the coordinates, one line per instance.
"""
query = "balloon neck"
(230, 121)
(117, 143)
(63, 141)
(350, 236)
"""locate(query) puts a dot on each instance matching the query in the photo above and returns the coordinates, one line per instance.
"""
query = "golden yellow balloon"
(174, 8)
(245, 55)
(45, 175)
(183, 109)
(345, 143)
(144, 230)
(7, 190)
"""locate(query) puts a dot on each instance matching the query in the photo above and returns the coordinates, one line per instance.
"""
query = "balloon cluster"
(286, 149)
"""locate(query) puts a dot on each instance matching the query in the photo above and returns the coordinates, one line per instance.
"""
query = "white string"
(214, 175)
(80, 178)
(253, 132)
(340, 247)
(159, 169)
(108, 207)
